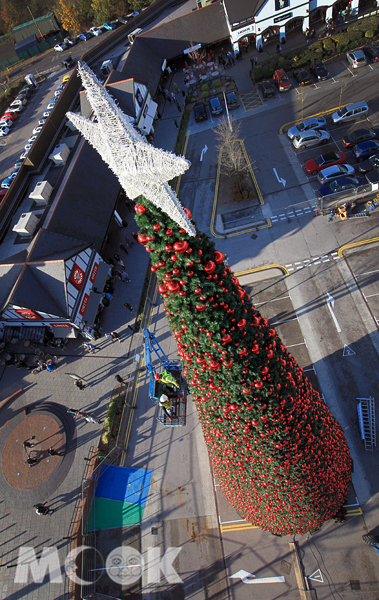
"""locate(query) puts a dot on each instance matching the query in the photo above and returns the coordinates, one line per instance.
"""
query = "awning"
(96, 297)
(148, 122)
(101, 276)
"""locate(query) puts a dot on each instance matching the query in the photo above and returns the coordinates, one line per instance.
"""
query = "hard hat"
(157, 376)
(163, 398)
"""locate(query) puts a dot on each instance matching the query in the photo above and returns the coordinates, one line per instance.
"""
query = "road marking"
(203, 151)
(316, 576)
(347, 351)
(330, 303)
(280, 179)
(227, 528)
(246, 577)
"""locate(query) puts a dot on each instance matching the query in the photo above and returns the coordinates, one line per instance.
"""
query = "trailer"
(174, 387)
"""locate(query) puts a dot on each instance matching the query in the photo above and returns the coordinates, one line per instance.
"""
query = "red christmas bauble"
(169, 232)
(190, 273)
(143, 239)
(175, 271)
(201, 307)
(153, 269)
(168, 247)
(209, 266)
(181, 246)
(241, 323)
(156, 227)
(226, 338)
(182, 293)
(162, 288)
(140, 209)
(188, 213)
(219, 257)
(174, 257)
(173, 286)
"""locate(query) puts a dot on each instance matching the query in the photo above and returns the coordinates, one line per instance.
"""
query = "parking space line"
(371, 295)
(273, 300)
(367, 273)
(294, 345)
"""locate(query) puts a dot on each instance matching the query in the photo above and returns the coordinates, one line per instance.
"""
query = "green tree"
(102, 10)
(69, 16)
(278, 453)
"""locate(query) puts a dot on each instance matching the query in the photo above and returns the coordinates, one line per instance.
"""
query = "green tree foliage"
(69, 16)
(102, 10)
(278, 453)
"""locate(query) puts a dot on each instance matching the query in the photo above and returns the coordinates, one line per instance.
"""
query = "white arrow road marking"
(330, 303)
(280, 179)
(250, 578)
(203, 151)
(347, 351)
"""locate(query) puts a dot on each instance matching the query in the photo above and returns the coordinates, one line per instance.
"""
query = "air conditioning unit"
(42, 192)
(27, 224)
(60, 154)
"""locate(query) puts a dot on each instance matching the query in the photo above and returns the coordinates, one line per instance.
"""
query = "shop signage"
(192, 49)
(139, 97)
(77, 276)
(280, 4)
(84, 304)
(283, 17)
(245, 30)
(60, 325)
(27, 314)
(94, 272)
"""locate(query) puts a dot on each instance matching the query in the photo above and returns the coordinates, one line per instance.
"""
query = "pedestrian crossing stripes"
(310, 262)
(251, 100)
(291, 214)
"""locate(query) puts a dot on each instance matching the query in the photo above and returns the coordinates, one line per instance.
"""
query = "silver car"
(311, 123)
(309, 138)
(356, 58)
(334, 172)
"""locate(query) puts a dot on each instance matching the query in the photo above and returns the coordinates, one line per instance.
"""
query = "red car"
(315, 165)
(11, 116)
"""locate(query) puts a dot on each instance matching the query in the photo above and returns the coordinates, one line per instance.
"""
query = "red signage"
(84, 304)
(94, 272)
(60, 324)
(28, 314)
(77, 276)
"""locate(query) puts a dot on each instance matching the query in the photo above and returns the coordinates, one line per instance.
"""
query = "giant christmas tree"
(278, 453)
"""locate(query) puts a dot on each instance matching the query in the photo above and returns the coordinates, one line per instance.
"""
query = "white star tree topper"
(140, 168)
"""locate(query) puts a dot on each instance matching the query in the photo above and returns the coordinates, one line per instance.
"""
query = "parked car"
(282, 81)
(27, 90)
(4, 131)
(303, 77)
(124, 19)
(109, 26)
(68, 63)
(52, 103)
(319, 70)
(231, 100)
(32, 139)
(47, 112)
(356, 58)
(84, 36)
(315, 165)
(59, 89)
(135, 14)
(19, 101)
(17, 109)
(60, 47)
(372, 52)
(18, 164)
(69, 41)
(310, 123)
(359, 135)
(6, 123)
(312, 137)
(267, 90)
(24, 155)
(27, 146)
(6, 183)
(200, 112)
(11, 116)
(335, 172)
(13, 174)
(95, 31)
(3, 193)
(216, 108)
(42, 121)
(365, 149)
(340, 185)
(369, 164)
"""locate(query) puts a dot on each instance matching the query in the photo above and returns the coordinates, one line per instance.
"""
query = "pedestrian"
(173, 96)
(79, 383)
(176, 124)
(119, 379)
(233, 61)
(118, 259)
(167, 94)
(53, 452)
(124, 277)
(124, 248)
(183, 94)
(88, 346)
(42, 509)
(21, 364)
(49, 366)
(252, 63)
(115, 336)
(129, 306)
(75, 376)
(110, 261)
(31, 461)
(28, 443)
(176, 87)
(166, 403)
(90, 418)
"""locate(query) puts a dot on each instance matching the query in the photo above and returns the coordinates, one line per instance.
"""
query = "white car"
(57, 93)
(60, 47)
(28, 146)
(96, 31)
(312, 137)
(47, 112)
(51, 104)
(335, 172)
(4, 131)
(42, 121)
(69, 41)
(16, 109)
(36, 130)
(32, 139)
(19, 102)
(6, 123)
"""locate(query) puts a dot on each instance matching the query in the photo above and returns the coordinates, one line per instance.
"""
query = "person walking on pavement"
(28, 443)
(128, 306)
(31, 461)
(88, 346)
(119, 261)
(115, 336)
(53, 452)
(123, 276)
(176, 124)
(176, 87)
(43, 510)
(79, 383)
(167, 94)
(252, 63)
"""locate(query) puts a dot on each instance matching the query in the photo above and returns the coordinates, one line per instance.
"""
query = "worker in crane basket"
(167, 378)
(166, 403)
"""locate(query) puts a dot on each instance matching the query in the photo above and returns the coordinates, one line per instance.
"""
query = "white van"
(350, 112)
(131, 36)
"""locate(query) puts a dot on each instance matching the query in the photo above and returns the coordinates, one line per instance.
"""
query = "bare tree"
(233, 162)
(197, 55)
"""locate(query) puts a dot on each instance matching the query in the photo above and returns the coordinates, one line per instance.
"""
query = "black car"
(303, 77)
(359, 135)
(319, 70)
(372, 52)
(369, 165)
(200, 113)
(267, 89)
(124, 19)
(231, 100)
(68, 63)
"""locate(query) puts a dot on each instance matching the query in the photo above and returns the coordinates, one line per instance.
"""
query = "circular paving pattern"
(22, 483)
(48, 433)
